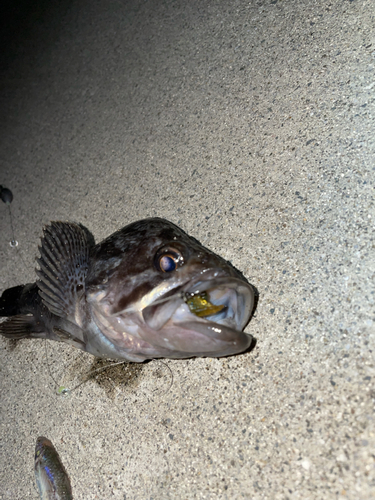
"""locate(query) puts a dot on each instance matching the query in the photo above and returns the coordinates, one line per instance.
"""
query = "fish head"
(154, 291)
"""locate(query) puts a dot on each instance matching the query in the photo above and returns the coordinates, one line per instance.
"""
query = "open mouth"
(227, 301)
(211, 313)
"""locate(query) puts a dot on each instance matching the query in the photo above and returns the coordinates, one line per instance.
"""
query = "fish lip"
(199, 285)
(228, 340)
(207, 276)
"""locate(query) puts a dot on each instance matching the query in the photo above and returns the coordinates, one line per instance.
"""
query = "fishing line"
(170, 369)
(65, 391)
(14, 242)
(48, 367)
(6, 196)
(89, 374)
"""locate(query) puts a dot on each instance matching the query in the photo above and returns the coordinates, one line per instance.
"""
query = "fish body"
(147, 291)
(51, 477)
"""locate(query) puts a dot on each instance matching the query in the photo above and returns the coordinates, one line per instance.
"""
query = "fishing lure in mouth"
(200, 305)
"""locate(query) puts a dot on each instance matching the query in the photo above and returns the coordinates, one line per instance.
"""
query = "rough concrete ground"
(251, 125)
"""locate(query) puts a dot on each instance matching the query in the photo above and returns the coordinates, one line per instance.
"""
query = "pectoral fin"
(68, 338)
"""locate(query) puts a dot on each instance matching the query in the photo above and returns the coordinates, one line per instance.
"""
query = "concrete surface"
(251, 125)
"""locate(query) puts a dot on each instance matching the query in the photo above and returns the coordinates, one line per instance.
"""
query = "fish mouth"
(204, 317)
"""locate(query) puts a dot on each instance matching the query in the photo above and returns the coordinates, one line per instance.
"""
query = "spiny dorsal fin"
(64, 257)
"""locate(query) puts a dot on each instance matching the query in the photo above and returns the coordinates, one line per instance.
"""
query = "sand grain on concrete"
(251, 125)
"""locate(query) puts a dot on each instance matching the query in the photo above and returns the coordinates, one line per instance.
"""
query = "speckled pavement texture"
(251, 125)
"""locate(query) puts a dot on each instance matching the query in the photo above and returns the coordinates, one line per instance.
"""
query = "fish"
(51, 477)
(147, 291)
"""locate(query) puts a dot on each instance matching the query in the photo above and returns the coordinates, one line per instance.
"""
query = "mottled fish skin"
(128, 296)
(51, 477)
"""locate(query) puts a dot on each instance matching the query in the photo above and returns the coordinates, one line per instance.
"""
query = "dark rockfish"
(50, 474)
(147, 291)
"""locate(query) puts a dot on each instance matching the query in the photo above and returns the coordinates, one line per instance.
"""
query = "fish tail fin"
(22, 326)
(21, 322)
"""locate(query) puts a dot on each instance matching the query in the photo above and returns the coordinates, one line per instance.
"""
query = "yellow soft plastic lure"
(201, 306)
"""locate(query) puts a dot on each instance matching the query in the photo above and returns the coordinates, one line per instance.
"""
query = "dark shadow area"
(256, 300)
(23, 24)
(110, 376)
(16, 20)
(251, 346)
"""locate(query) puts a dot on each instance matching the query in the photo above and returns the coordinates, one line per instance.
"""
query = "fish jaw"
(162, 324)
(219, 334)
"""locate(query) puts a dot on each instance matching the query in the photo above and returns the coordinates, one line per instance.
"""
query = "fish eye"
(168, 260)
(167, 263)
